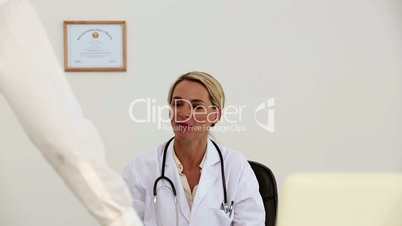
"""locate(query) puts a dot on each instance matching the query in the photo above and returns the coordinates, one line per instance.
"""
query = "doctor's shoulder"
(235, 161)
(241, 176)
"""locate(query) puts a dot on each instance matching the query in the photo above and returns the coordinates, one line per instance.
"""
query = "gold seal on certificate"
(95, 46)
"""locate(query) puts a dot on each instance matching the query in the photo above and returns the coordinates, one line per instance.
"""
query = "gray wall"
(333, 67)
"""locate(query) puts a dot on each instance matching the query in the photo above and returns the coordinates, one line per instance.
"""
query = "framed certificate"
(95, 46)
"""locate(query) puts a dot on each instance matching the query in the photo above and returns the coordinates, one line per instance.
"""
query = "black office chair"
(268, 191)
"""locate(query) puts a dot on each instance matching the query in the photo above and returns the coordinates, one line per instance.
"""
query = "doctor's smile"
(192, 179)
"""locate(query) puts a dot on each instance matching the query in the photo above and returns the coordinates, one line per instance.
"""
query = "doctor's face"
(191, 110)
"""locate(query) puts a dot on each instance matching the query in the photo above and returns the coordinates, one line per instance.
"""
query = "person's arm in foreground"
(33, 84)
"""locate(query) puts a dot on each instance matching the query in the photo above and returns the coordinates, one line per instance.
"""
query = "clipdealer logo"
(147, 110)
(267, 121)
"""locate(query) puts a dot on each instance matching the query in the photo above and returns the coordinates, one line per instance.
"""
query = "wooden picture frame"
(95, 46)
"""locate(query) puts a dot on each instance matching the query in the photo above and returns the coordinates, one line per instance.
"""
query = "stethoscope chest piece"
(228, 209)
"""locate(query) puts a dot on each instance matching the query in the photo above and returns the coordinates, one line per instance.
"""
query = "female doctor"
(190, 179)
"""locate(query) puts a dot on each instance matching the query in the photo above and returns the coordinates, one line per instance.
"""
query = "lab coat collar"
(172, 172)
(211, 158)
(209, 175)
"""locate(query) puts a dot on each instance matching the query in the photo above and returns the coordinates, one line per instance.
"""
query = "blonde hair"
(214, 88)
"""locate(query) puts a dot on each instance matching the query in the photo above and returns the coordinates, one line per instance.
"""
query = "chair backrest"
(268, 191)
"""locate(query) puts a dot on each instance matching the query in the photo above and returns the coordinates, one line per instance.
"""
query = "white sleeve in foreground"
(33, 84)
(3, 1)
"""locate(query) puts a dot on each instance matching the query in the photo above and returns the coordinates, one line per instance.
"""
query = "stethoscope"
(226, 207)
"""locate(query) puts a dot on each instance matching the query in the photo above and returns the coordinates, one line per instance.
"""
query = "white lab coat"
(242, 188)
(33, 83)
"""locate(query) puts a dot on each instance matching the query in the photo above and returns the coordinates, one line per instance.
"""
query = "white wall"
(333, 67)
